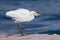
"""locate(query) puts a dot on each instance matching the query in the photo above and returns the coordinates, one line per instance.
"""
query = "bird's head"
(36, 13)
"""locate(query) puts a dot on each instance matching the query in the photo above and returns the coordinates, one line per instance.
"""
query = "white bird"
(22, 15)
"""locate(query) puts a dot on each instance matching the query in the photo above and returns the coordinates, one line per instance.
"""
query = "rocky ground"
(31, 37)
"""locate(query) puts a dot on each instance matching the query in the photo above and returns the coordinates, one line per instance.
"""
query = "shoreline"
(31, 37)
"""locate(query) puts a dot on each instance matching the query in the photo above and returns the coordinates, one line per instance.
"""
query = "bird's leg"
(22, 30)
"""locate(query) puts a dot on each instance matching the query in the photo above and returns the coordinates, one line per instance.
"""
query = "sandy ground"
(30, 37)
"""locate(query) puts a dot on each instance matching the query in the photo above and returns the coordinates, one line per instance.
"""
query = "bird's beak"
(37, 14)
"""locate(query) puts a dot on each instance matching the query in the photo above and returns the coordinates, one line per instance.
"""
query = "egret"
(22, 15)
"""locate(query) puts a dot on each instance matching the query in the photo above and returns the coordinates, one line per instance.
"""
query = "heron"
(22, 15)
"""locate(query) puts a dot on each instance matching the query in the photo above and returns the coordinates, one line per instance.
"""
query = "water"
(48, 23)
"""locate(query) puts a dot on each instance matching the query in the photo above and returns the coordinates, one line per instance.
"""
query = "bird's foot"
(22, 35)
(8, 35)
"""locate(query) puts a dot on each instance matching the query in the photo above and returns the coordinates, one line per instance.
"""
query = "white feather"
(21, 15)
